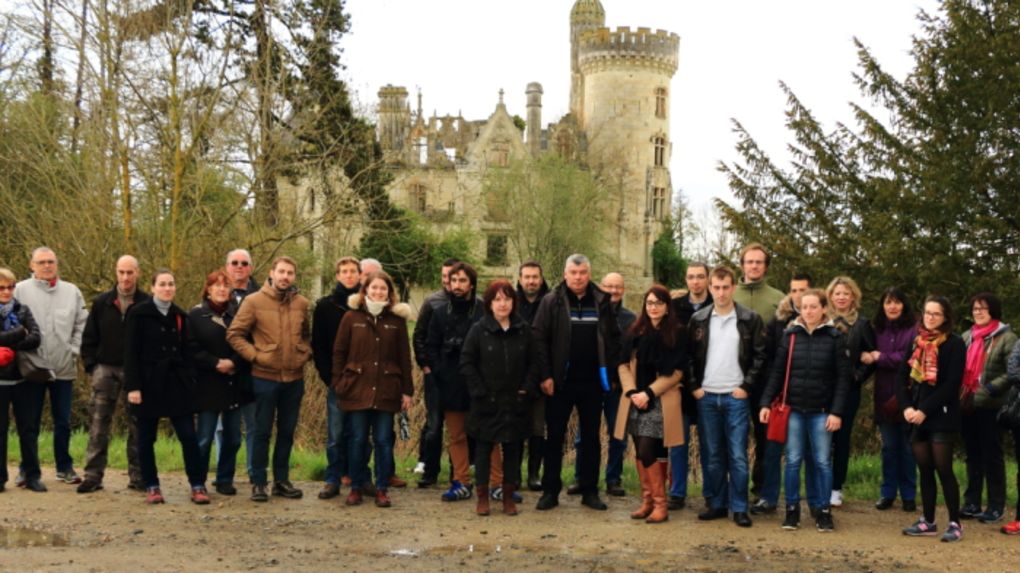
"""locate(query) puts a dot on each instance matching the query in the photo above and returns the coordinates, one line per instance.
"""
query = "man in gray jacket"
(59, 308)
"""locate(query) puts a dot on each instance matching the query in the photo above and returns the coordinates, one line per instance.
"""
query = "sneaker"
(69, 477)
(990, 516)
(35, 485)
(89, 486)
(836, 499)
(792, 520)
(497, 495)
(225, 488)
(823, 522)
(1011, 528)
(419, 469)
(953, 533)
(259, 494)
(286, 489)
(354, 497)
(153, 496)
(922, 528)
(329, 491)
(762, 507)
(199, 495)
(457, 492)
(970, 511)
(884, 503)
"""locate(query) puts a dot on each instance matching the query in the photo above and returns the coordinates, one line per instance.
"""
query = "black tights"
(649, 450)
(932, 458)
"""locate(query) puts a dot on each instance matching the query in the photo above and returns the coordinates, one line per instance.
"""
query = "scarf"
(217, 308)
(375, 308)
(924, 362)
(8, 317)
(845, 321)
(162, 306)
(342, 293)
(976, 356)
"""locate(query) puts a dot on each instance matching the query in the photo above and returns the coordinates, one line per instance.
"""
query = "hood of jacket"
(401, 309)
(786, 311)
(797, 324)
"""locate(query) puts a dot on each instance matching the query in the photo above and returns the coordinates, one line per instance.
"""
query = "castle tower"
(625, 115)
(586, 15)
(534, 122)
(394, 121)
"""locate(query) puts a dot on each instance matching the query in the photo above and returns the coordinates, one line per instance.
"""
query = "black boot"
(536, 446)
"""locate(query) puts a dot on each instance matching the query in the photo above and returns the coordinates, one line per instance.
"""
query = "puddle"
(11, 537)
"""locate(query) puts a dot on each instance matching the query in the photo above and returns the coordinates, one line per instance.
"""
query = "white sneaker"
(420, 468)
(836, 499)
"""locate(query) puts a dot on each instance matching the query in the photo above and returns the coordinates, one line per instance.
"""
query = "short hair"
(577, 259)
(214, 278)
(389, 285)
(283, 259)
(947, 311)
(461, 266)
(906, 319)
(755, 247)
(161, 271)
(495, 287)
(241, 251)
(529, 263)
(450, 262)
(42, 249)
(369, 261)
(346, 261)
(723, 272)
(701, 264)
(818, 293)
(848, 283)
(993, 302)
(802, 276)
(7, 275)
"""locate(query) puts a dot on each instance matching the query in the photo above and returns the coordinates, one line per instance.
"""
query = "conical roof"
(587, 10)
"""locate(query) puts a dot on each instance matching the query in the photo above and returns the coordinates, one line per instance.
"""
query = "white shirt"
(723, 374)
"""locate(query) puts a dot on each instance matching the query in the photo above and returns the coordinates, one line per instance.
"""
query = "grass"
(863, 478)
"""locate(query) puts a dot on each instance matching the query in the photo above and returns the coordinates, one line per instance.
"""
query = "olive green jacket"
(994, 386)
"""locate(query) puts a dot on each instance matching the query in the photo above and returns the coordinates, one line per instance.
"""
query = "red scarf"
(924, 362)
(976, 356)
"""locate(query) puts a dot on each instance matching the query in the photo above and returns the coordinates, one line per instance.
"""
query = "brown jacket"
(271, 331)
(372, 358)
(667, 390)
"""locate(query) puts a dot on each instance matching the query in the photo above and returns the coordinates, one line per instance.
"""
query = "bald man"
(102, 352)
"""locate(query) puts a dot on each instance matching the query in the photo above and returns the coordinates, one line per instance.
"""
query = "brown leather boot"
(657, 480)
(482, 491)
(509, 507)
(646, 493)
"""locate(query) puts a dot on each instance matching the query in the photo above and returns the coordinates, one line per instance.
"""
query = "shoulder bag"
(779, 412)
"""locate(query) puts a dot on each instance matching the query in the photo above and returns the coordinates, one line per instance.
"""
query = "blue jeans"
(381, 426)
(841, 439)
(899, 470)
(337, 438)
(230, 442)
(679, 461)
(60, 410)
(772, 468)
(723, 424)
(617, 448)
(808, 431)
(280, 401)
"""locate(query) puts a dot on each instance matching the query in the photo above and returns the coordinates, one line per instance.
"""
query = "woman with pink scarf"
(982, 393)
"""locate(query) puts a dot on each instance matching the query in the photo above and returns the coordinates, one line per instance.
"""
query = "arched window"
(660, 102)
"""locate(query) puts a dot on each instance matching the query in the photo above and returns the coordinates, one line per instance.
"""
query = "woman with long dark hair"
(651, 368)
(928, 395)
(895, 328)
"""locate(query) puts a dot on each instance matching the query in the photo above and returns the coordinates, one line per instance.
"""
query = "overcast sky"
(733, 53)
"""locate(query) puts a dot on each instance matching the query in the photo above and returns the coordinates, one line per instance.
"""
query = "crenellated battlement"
(602, 47)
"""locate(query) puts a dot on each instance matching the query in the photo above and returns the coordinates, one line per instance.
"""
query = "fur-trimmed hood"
(786, 311)
(401, 309)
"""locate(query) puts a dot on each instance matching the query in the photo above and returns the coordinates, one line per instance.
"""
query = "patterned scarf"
(976, 356)
(8, 319)
(924, 362)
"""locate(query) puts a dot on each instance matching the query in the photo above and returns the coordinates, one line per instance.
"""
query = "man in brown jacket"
(271, 331)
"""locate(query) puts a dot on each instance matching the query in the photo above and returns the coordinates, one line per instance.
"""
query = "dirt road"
(113, 530)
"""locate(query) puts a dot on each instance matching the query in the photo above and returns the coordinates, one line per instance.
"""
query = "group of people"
(504, 369)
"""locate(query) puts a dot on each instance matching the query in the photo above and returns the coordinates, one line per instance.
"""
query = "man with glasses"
(239, 268)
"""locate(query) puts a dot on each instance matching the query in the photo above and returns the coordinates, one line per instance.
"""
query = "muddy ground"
(113, 530)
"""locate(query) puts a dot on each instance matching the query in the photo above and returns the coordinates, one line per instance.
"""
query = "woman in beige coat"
(651, 368)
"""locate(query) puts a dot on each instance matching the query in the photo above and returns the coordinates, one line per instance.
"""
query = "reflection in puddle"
(26, 537)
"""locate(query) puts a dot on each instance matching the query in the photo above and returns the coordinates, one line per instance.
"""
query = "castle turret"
(586, 15)
(394, 121)
(534, 122)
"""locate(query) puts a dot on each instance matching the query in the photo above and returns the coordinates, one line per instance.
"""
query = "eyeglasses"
(6, 287)
(239, 263)
(930, 314)
(980, 309)
(654, 303)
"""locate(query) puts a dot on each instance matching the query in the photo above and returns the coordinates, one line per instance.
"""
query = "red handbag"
(779, 412)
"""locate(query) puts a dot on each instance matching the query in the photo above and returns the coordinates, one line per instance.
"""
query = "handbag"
(33, 368)
(1009, 415)
(779, 412)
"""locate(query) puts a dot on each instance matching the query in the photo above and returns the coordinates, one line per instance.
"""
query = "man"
(369, 266)
(614, 285)
(430, 442)
(329, 311)
(578, 348)
(448, 327)
(59, 308)
(531, 287)
(697, 297)
(239, 267)
(727, 357)
(102, 353)
(271, 332)
(768, 455)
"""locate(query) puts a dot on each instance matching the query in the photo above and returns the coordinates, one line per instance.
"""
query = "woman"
(650, 410)
(1013, 527)
(18, 333)
(927, 392)
(372, 379)
(844, 298)
(221, 390)
(497, 362)
(816, 389)
(982, 393)
(895, 328)
(160, 383)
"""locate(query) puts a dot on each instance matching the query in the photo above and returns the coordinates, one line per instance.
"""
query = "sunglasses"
(239, 263)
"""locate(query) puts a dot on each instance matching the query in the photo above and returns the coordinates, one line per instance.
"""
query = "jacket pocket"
(265, 355)
(352, 371)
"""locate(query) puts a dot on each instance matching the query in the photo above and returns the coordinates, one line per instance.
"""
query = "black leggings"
(1016, 449)
(649, 450)
(511, 462)
(937, 457)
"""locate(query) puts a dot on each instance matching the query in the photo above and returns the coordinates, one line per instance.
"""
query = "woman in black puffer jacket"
(819, 381)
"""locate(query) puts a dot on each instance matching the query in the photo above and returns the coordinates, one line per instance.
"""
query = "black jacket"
(25, 337)
(215, 391)
(502, 378)
(820, 370)
(448, 328)
(624, 318)
(551, 329)
(329, 311)
(859, 338)
(941, 402)
(421, 325)
(752, 345)
(684, 310)
(526, 309)
(103, 339)
(157, 361)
